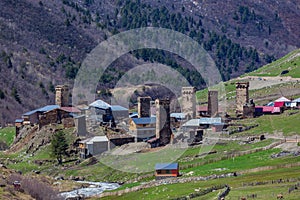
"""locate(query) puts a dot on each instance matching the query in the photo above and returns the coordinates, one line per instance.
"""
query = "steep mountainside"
(42, 43)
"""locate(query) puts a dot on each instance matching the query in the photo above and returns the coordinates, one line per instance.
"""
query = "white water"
(95, 188)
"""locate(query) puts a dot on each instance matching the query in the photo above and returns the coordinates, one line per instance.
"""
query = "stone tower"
(144, 106)
(189, 101)
(62, 95)
(242, 96)
(213, 106)
(163, 129)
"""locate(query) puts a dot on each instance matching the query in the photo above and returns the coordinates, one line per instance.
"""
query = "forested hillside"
(42, 43)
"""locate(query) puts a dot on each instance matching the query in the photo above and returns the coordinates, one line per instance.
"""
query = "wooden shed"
(166, 170)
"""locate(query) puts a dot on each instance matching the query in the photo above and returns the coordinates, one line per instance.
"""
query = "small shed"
(93, 146)
(166, 170)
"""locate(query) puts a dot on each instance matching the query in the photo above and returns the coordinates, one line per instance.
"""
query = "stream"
(94, 189)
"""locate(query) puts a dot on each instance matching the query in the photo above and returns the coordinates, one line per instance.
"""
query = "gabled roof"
(100, 104)
(169, 166)
(297, 100)
(30, 112)
(42, 109)
(144, 120)
(48, 108)
(94, 139)
(282, 99)
(118, 108)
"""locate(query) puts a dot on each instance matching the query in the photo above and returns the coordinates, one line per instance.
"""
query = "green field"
(289, 62)
(7, 135)
(259, 183)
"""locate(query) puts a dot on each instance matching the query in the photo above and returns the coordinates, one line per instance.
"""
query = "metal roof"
(30, 112)
(203, 120)
(135, 114)
(95, 139)
(100, 104)
(192, 122)
(48, 108)
(170, 166)
(144, 120)
(19, 120)
(42, 109)
(297, 100)
(118, 108)
(178, 115)
(282, 99)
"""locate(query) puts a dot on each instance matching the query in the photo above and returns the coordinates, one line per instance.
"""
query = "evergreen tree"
(59, 146)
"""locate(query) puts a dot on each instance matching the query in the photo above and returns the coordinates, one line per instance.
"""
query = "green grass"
(287, 123)
(240, 163)
(289, 62)
(239, 187)
(7, 135)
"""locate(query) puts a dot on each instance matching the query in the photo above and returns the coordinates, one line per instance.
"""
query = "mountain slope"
(42, 43)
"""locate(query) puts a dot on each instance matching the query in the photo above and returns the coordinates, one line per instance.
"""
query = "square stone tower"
(62, 95)
(163, 129)
(144, 106)
(213, 104)
(242, 96)
(189, 101)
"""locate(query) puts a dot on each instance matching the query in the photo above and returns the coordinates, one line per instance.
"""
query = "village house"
(142, 128)
(93, 146)
(108, 113)
(166, 170)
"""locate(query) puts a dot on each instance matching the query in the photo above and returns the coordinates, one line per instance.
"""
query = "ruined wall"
(144, 106)
(189, 101)
(213, 104)
(242, 96)
(163, 130)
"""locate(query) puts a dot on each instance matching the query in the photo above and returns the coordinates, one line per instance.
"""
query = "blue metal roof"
(118, 108)
(42, 109)
(178, 115)
(159, 166)
(30, 112)
(48, 108)
(19, 120)
(144, 120)
(210, 120)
